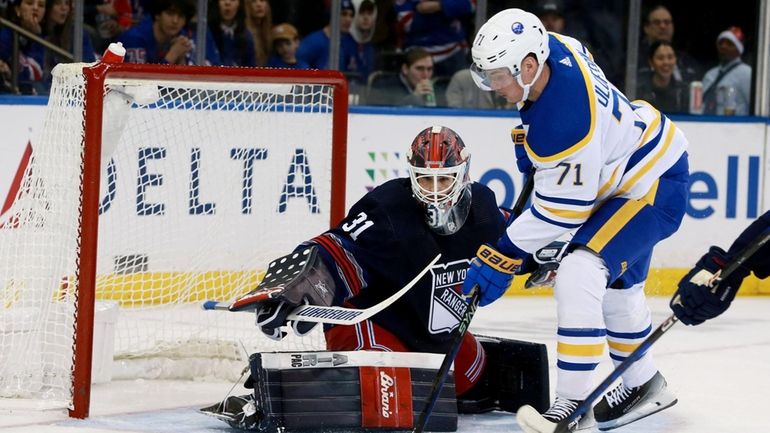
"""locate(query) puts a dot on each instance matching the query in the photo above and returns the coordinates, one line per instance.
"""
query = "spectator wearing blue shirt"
(362, 32)
(314, 48)
(437, 27)
(27, 14)
(227, 22)
(285, 44)
(164, 38)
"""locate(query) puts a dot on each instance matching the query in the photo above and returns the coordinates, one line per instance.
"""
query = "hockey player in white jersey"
(613, 171)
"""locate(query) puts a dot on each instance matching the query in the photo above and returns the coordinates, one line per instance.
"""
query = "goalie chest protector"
(393, 246)
(350, 390)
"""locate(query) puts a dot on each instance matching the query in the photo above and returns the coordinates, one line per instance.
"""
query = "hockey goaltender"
(378, 372)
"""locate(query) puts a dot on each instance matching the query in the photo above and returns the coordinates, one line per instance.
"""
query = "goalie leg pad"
(347, 390)
(516, 374)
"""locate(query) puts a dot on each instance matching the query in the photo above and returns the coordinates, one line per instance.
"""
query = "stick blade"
(531, 421)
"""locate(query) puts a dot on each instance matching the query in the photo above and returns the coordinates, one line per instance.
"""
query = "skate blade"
(665, 401)
(215, 411)
(531, 421)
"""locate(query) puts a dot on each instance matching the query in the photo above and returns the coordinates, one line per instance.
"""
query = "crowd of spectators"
(394, 52)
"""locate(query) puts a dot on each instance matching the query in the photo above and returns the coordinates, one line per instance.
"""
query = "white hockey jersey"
(588, 144)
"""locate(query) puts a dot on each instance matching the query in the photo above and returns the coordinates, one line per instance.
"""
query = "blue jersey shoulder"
(562, 117)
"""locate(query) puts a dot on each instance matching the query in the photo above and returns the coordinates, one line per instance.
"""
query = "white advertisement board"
(727, 162)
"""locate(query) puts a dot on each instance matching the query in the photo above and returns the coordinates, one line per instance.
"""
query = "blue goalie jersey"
(384, 242)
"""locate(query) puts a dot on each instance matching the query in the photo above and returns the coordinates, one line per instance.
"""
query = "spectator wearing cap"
(227, 22)
(314, 48)
(438, 27)
(552, 15)
(726, 87)
(285, 44)
(658, 25)
(601, 40)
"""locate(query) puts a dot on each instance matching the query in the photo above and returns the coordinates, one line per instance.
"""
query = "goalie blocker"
(378, 390)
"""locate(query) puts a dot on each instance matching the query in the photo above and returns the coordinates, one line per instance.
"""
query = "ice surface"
(720, 372)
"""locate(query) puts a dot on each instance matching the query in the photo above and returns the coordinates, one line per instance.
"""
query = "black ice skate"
(624, 405)
(530, 421)
(238, 411)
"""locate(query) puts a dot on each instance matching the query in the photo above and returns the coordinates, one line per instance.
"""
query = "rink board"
(729, 183)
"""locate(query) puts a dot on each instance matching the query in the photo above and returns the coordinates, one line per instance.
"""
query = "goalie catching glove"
(492, 272)
(299, 278)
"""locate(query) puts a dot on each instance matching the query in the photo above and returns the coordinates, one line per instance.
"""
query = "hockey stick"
(335, 315)
(563, 425)
(473, 304)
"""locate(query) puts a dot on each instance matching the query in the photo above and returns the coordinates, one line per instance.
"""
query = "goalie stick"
(335, 315)
(527, 415)
(473, 304)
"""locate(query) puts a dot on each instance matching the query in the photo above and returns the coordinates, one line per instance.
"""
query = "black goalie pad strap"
(519, 371)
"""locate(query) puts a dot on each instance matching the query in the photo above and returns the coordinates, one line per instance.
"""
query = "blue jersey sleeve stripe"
(553, 222)
(581, 332)
(630, 335)
(574, 366)
(561, 200)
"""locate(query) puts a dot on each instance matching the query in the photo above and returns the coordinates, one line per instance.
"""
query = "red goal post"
(179, 231)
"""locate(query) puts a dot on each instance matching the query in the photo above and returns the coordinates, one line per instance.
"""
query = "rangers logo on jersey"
(448, 305)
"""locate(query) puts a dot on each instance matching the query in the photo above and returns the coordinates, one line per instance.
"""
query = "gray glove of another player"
(299, 278)
(547, 260)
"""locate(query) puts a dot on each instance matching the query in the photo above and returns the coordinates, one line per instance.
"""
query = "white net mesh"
(202, 184)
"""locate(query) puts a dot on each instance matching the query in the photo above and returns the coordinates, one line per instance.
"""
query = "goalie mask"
(438, 170)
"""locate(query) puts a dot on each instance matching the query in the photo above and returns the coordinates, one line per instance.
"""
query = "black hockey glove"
(299, 278)
(701, 294)
(543, 264)
(271, 317)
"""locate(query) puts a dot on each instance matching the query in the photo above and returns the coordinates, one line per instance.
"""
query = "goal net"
(150, 190)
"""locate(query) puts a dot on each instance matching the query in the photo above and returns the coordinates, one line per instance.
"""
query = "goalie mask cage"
(151, 189)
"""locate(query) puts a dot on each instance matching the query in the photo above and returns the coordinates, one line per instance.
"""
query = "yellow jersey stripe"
(615, 224)
(580, 349)
(622, 347)
(568, 214)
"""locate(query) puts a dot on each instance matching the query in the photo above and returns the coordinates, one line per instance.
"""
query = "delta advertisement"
(728, 184)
